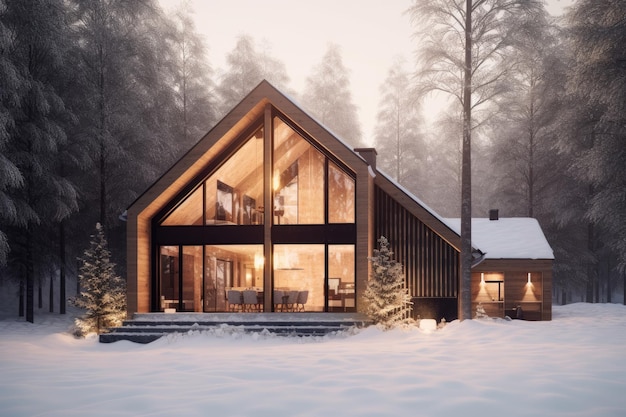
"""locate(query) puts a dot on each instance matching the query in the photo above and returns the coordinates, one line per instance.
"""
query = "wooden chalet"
(271, 212)
(514, 278)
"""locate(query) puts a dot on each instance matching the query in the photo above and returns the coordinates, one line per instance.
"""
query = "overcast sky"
(370, 33)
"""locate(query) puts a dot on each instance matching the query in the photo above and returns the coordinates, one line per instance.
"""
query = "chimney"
(493, 214)
(369, 154)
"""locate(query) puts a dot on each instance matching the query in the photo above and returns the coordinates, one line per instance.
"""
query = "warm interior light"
(276, 181)
(259, 261)
(482, 278)
(529, 282)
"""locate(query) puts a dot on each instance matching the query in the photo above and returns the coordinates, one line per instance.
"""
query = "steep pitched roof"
(224, 132)
(419, 209)
(236, 121)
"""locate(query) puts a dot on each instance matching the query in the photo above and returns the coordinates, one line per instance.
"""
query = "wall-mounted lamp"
(482, 278)
(529, 282)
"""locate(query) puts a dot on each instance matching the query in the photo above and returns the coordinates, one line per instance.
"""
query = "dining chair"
(303, 296)
(250, 300)
(278, 300)
(292, 300)
(234, 300)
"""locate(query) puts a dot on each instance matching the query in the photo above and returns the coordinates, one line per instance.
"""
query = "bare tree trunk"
(30, 282)
(102, 129)
(608, 279)
(465, 301)
(77, 277)
(51, 294)
(40, 293)
(596, 284)
(20, 307)
(590, 270)
(62, 267)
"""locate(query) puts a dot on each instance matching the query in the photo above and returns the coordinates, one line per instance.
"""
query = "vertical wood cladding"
(430, 264)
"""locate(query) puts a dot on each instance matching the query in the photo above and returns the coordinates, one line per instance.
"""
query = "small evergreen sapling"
(388, 300)
(103, 292)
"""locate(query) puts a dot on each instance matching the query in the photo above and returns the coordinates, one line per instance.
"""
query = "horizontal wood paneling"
(535, 299)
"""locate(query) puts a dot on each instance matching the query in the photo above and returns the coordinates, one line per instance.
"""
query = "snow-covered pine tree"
(103, 292)
(388, 300)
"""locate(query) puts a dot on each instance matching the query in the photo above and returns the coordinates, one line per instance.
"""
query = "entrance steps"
(147, 327)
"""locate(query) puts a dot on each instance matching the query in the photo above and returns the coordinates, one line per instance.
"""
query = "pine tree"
(103, 292)
(327, 96)
(37, 118)
(388, 300)
(247, 67)
(597, 80)
(398, 136)
(195, 107)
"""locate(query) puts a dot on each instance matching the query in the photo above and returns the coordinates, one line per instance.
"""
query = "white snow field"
(574, 365)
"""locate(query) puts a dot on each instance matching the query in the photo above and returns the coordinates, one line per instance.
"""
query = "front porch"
(147, 327)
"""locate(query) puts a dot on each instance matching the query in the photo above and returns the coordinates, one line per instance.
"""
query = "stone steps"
(147, 327)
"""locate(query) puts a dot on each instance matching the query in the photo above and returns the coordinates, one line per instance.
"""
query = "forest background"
(99, 98)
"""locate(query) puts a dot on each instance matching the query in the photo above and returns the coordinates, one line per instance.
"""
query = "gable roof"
(419, 209)
(250, 109)
(508, 238)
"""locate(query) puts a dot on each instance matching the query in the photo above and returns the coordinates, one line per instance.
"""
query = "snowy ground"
(574, 365)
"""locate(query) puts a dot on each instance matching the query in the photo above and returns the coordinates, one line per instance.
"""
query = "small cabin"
(513, 277)
(272, 205)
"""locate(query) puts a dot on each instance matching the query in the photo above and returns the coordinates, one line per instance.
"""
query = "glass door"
(180, 291)
(218, 279)
(169, 281)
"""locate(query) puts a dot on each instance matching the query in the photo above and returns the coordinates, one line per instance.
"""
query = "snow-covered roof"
(417, 200)
(507, 238)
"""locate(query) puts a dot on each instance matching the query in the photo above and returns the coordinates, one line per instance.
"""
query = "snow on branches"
(103, 292)
(388, 300)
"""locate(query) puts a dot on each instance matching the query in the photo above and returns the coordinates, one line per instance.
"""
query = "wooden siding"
(431, 264)
(173, 182)
(154, 199)
(364, 227)
(536, 301)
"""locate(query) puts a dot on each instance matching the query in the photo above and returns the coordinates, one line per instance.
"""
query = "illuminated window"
(340, 196)
(298, 178)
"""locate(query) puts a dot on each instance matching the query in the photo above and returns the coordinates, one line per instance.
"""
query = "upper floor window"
(298, 178)
(305, 186)
(341, 191)
(233, 194)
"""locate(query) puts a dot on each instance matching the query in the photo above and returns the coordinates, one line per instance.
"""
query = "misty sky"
(371, 33)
